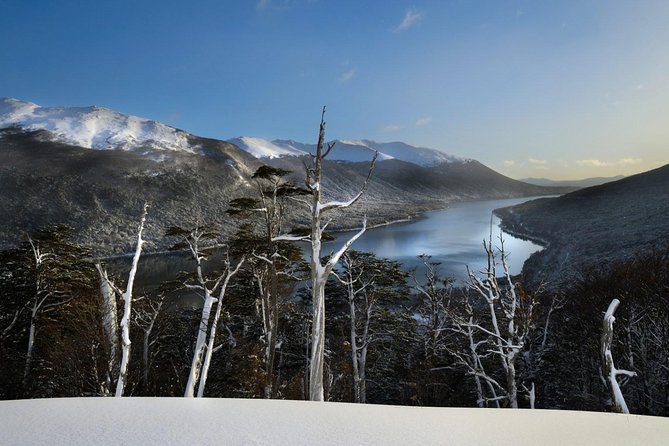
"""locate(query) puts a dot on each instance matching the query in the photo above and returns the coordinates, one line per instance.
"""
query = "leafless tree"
(321, 271)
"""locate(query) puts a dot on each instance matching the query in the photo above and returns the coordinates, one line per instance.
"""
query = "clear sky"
(557, 89)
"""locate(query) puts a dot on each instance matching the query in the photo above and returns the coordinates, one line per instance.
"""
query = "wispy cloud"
(411, 17)
(392, 128)
(420, 122)
(347, 75)
(509, 163)
(599, 163)
(263, 4)
(537, 162)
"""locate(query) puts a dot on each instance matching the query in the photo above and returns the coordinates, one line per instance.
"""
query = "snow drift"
(168, 421)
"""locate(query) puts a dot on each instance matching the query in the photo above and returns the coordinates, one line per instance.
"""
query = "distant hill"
(594, 226)
(586, 182)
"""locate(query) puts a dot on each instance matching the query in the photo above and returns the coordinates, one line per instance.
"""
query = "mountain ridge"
(99, 186)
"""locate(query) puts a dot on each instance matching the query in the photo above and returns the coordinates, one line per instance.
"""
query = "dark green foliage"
(69, 356)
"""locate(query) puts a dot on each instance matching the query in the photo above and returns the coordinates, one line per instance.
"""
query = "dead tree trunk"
(127, 310)
(320, 272)
(610, 370)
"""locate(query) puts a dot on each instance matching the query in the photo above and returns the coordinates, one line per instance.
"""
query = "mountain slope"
(454, 181)
(93, 168)
(585, 182)
(595, 226)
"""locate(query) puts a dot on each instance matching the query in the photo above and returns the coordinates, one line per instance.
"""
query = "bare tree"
(229, 273)
(199, 240)
(145, 319)
(610, 370)
(495, 321)
(127, 309)
(321, 271)
(108, 292)
(435, 294)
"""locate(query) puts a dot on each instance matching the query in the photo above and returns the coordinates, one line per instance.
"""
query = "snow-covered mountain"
(93, 127)
(346, 150)
(104, 129)
(92, 168)
(263, 149)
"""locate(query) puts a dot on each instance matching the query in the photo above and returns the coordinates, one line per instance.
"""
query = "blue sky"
(559, 89)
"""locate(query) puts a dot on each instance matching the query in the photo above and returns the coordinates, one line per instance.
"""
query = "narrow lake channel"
(451, 236)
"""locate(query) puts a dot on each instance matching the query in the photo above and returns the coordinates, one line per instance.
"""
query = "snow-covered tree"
(321, 271)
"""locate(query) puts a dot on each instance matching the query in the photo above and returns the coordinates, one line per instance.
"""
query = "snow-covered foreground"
(167, 421)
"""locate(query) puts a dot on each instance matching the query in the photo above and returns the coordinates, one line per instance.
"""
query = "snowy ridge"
(104, 129)
(194, 421)
(261, 148)
(93, 127)
(346, 150)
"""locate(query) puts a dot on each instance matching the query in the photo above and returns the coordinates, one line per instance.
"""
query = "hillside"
(455, 181)
(92, 168)
(585, 182)
(594, 226)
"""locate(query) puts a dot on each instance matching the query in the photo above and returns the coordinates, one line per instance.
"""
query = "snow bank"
(167, 421)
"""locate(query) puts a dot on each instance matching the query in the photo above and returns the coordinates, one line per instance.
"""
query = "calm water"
(453, 236)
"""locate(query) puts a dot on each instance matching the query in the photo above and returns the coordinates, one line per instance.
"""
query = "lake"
(452, 236)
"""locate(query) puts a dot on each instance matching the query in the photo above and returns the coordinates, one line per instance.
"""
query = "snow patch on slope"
(346, 150)
(93, 127)
(261, 148)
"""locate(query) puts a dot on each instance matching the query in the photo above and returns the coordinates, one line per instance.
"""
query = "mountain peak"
(93, 127)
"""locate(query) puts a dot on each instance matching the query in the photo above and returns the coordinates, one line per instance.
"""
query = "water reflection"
(452, 236)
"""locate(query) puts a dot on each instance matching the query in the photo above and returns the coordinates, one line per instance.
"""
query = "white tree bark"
(127, 310)
(109, 322)
(320, 272)
(506, 344)
(610, 370)
(212, 331)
